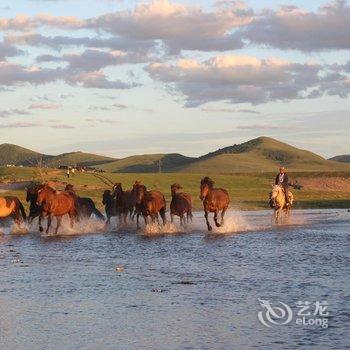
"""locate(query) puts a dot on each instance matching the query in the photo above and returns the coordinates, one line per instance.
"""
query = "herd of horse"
(46, 202)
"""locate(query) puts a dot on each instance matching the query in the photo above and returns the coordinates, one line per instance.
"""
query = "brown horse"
(85, 206)
(56, 204)
(12, 207)
(124, 200)
(181, 204)
(109, 202)
(148, 203)
(214, 201)
(278, 202)
(34, 209)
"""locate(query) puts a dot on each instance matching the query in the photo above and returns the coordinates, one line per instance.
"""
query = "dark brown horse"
(125, 202)
(85, 206)
(148, 203)
(56, 204)
(11, 207)
(109, 202)
(214, 201)
(181, 204)
(34, 209)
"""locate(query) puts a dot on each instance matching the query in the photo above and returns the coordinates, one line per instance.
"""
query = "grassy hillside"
(147, 163)
(345, 158)
(16, 155)
(79, 159)
(261, 155)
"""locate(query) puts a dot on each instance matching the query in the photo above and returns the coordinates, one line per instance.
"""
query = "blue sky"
(165, 76)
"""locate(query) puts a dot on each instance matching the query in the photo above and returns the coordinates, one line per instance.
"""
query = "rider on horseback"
(282, 180)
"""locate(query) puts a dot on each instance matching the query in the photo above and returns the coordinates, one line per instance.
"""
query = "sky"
(119, 78)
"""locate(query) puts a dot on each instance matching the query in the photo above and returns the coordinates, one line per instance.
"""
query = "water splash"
(159, 230)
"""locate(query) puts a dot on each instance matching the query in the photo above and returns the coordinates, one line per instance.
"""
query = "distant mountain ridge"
(262, 154)
(344, 158)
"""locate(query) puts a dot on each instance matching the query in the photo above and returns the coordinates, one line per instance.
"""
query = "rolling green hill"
(16, 155)
(262, 154)
(78, 158)
(148, 163)
(345, 158)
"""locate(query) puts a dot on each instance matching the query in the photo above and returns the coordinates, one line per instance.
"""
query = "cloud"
(102, 120)
(246, 79)
(118, 106)
(265, 127)
(229, 110)
(17, 125)
(61, 126)
(45, 106)
(8, 50)
(10, 112)
(291, 27)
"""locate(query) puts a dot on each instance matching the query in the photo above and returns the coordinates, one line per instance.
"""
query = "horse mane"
(207, 181)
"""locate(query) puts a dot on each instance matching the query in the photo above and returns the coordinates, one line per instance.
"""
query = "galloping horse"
(181, 204)
(85, 206)
(278, 202)
(125, 202)
(12, 207)
(148, 203)
(56, 204)
(214, 201)
(110, 205)
(34, 209)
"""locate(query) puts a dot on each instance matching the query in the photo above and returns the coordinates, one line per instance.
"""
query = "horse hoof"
(210, 228)
(218, 225)
(41, 229)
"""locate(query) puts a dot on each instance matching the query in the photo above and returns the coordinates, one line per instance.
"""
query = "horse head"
(138, 192)
(274, 195)
(174, 188)
(206, 185)
(69, 187)
(43, 191)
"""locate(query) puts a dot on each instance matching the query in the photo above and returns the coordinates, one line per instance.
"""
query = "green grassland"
(247, 191)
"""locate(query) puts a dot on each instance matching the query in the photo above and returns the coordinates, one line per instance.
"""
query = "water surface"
(176, 291)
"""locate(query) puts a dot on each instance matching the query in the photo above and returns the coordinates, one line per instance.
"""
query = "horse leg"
(49, 218)
(182, 220)
(206, 219)
(216, 218)
(145, 217)
(59, 219)
(171, 217)
(138, 220)
(162, 215)
(40, 225)
(223, 215)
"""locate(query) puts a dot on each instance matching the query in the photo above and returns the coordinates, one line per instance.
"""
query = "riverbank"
(247, 191)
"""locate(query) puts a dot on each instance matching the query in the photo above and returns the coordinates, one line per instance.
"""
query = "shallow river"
(179, 290)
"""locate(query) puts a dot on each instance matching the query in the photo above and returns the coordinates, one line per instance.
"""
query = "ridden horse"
(34, 209)
(56, 204)
(214, 201)
(110, 205)
(124, 202)
(181, 204)
(148, 203)
(12, 207)
(278, 202)
(85, 206)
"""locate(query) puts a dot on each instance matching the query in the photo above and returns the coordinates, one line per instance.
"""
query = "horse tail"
(23, 212)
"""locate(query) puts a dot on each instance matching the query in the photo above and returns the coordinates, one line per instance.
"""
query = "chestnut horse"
(278, 202)
(181, 204)
(148, 203)
(124, 200)
(214, 201)
(85, 206)
(56, 204)
(12, 207)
